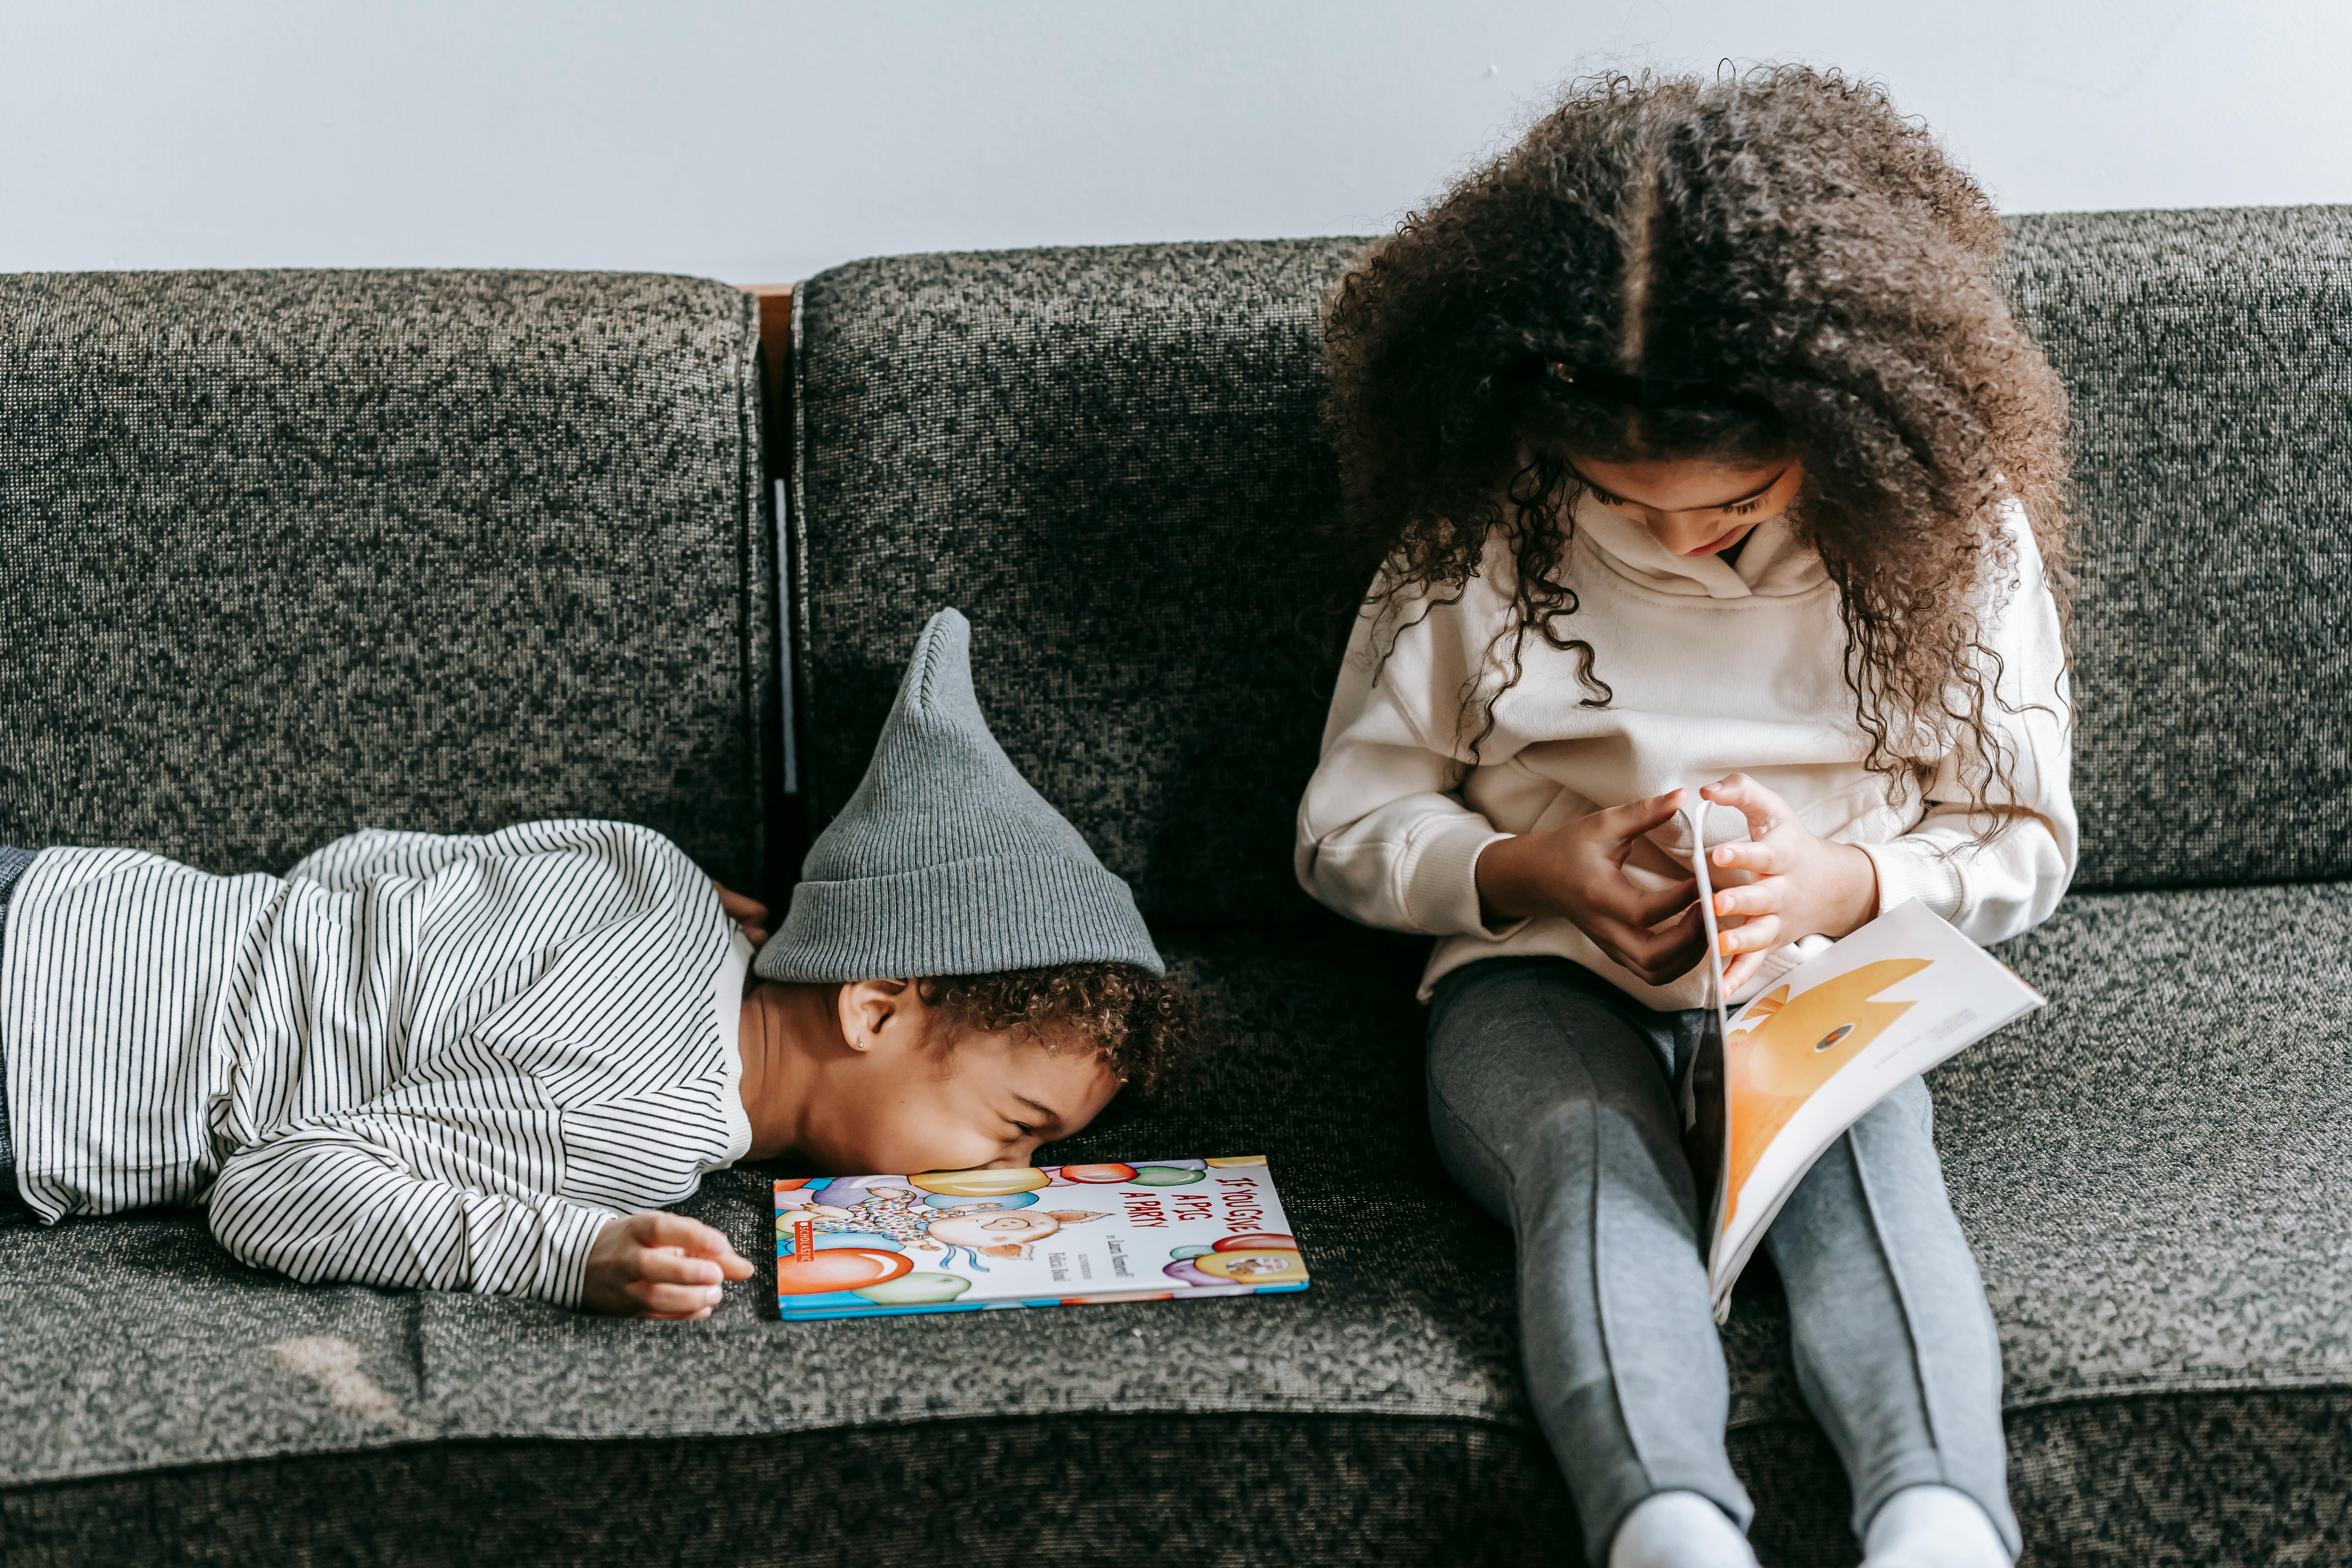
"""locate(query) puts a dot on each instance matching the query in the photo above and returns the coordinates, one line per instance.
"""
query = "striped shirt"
(413, 1060)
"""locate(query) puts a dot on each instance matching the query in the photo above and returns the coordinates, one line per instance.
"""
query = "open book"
(1772, 1086)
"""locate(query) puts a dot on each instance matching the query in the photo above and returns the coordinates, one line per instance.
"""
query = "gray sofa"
(280, 553)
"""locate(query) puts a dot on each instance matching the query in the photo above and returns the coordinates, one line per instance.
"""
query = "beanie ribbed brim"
(1039, 911)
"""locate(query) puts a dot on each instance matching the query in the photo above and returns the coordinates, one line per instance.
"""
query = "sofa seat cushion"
(2151, 1170)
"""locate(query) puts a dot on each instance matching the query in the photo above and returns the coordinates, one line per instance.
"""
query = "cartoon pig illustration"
(1009, 1233)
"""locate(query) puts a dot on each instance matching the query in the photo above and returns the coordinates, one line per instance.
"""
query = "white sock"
(1679, 1530)
(1932, 1526)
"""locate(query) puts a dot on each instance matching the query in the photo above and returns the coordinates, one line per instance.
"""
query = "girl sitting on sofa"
(483, 1063)
(1697, 447)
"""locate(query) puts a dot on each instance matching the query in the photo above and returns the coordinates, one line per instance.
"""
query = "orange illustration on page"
(1782, 1050)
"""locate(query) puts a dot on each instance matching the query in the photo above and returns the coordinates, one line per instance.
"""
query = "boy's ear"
(877, 1013)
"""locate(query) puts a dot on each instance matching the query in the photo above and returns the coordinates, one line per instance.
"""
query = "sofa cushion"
(2150, 1169)
(1112, 459)
(282, 553)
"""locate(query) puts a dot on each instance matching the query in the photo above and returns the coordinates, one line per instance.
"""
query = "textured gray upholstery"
(1109, 458)
(2169, 1289)
(283, 554)
(2209, 356)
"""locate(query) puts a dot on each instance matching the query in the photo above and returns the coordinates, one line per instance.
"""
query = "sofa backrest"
(283, 554)
(1110, 459)
(2209, 354)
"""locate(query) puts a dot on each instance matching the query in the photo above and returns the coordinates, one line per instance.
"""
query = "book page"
(1807, 1058)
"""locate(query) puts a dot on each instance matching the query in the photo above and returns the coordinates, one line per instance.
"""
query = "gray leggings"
(1549, 1093)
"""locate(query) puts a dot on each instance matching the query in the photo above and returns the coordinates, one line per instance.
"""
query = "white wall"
(763, 142)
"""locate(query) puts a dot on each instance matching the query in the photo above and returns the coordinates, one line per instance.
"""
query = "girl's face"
(1694, 506)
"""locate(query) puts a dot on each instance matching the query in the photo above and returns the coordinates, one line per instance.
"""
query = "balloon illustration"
(837, 1268)
(847, 1191)
(1255, 1241)
(980, 1183)
(1099, 1172)
(926, 1288)
(809, 1269)
(1166, 1176)
(832, 1238)
(1190, 1249)
(1270, 1266)
(1228, 1162)
(1007, 1201)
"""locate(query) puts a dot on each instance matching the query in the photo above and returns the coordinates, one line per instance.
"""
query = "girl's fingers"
(1629, 904)
(1736, 973)
(1762, 808)
(1769, 856)
(1628, 822)
(1657, 956)
(1760, 935)
(1754, 898)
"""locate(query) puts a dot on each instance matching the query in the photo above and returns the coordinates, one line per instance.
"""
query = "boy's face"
(980, 1100)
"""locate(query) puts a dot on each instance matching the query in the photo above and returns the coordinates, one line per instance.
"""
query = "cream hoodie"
(1716, 668)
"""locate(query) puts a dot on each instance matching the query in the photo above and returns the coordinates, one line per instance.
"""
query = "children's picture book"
(1032, 1236)
(1772, 1086)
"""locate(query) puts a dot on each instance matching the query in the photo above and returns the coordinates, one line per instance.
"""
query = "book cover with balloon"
(1034, 1236)
(1773, 1084)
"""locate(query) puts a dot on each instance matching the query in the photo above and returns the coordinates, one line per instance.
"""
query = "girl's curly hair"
(1783, 235)
(1146, 1027)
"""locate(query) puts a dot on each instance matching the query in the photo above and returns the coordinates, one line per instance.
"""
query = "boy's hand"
(1804, 885)
(658, 1265)
(749, 913)
(1578, 870)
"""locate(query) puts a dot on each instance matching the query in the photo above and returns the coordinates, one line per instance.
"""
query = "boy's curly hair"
(1146, 1027)
(1782, 234)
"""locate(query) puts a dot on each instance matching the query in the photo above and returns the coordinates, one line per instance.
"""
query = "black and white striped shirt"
(413, 1060)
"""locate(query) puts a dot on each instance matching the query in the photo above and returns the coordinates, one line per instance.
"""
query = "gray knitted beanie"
(945, 861)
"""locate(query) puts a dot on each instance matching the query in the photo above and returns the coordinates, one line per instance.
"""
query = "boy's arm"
(431, 1187)
(325, 1202)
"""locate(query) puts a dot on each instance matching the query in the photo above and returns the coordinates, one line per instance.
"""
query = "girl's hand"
(749, 913)
(658, 1265)
(1578, 871)
(1804, 885)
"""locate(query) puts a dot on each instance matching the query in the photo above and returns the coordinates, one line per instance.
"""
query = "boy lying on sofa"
(457, 1063)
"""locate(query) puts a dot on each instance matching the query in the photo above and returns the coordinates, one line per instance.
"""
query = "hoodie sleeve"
(1383, 835)
(1994, 891)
